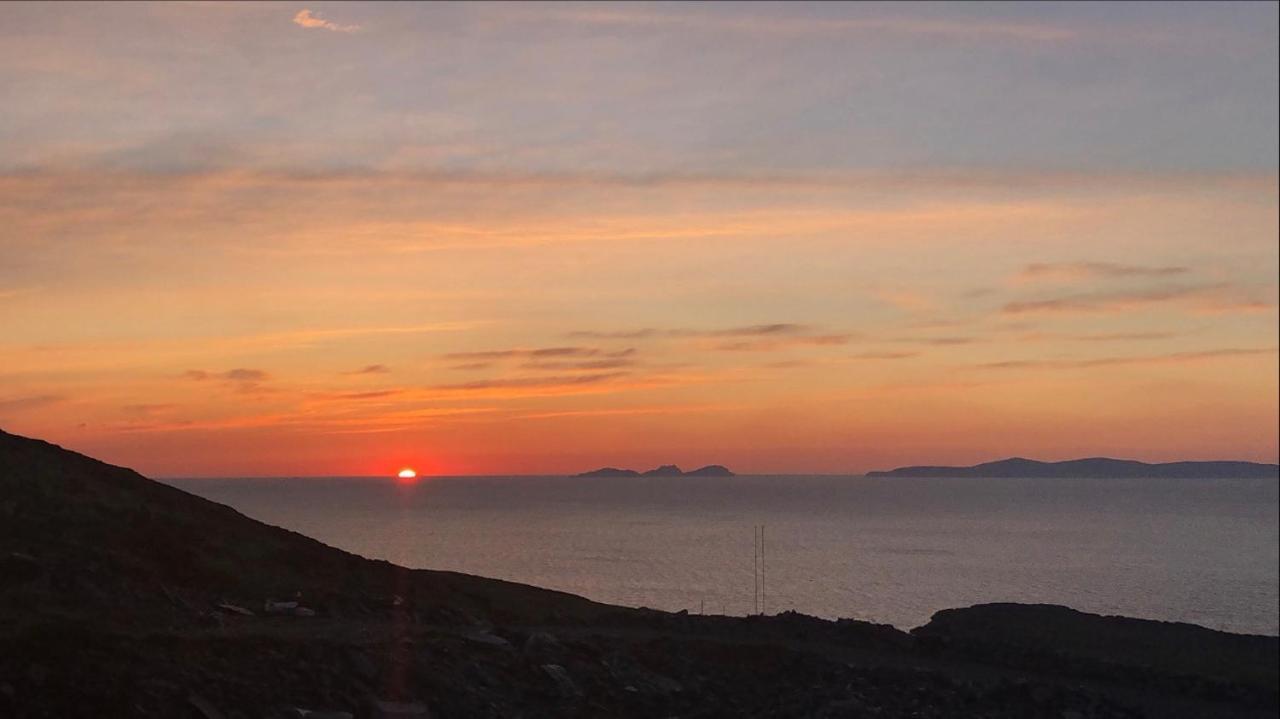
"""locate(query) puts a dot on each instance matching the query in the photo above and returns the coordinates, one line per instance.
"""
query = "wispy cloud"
(148, 410)
(741, 338)
(375, 394)
(539, 353)
(939, 341)
(1076, 271)
(1173, 358)
(1104, 302)
(369, 369)
(614, 363)
(243, 379)
(769, 330)
(761, 24)
(17, 404)
(1235, 306)
(532, 382)
(619, 334)
(773, 344)
(305, 18)
(761, 330)
(884, 355)
(1097, 337)
(235, 375)
(509, 353)
(629, 411)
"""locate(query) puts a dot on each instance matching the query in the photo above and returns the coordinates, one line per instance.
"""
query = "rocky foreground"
(120, 596)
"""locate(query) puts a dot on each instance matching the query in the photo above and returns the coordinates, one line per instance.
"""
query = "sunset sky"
(329, 239)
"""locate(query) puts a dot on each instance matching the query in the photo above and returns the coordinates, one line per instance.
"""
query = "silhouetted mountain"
(1096, 467)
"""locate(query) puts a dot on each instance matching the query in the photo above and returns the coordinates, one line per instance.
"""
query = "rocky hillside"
(120, 596)
(84, 537)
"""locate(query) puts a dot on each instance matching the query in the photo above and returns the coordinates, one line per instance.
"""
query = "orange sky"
(210, 300)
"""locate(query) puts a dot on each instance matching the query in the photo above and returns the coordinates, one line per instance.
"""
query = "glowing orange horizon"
(441, 282)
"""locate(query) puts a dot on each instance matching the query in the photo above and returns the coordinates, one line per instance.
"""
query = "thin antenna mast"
(755, 569)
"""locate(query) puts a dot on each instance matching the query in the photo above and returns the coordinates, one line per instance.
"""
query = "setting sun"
(407, 473)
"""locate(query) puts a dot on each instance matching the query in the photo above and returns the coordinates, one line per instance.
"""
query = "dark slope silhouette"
(130, 549)
(1093, 467)
(120, 596)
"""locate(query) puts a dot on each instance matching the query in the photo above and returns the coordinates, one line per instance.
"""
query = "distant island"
(1093, 467)
(666, 470)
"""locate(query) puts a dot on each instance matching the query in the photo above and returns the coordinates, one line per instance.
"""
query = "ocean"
(890, 550)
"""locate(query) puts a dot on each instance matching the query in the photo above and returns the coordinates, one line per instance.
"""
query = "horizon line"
(579, 475)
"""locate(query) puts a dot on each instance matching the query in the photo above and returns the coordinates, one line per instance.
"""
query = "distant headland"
(1093, 467)
(666, 470)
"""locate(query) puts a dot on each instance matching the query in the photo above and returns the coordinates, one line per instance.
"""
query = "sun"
(407, 473)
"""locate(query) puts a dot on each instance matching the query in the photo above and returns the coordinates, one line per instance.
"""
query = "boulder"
(204, 707)
(564, 683)
(544, 648)
(480, 636)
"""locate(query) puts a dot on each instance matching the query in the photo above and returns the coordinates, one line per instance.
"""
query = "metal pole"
(755, 570)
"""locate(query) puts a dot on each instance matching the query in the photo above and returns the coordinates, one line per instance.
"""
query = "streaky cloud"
(534, 382)
(370, 369)
(17, 404)
(1103, 302)
(1097, 337)
(614, 363)
(1069, 271)
(1172, 358)
(759, 330)
(940, 341)
(773, 344)
(240, 374)
(541, 352)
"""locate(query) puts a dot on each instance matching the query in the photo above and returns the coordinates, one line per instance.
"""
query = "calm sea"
(886, 550)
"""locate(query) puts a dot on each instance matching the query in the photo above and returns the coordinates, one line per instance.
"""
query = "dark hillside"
(91, 537)
(120, 596)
